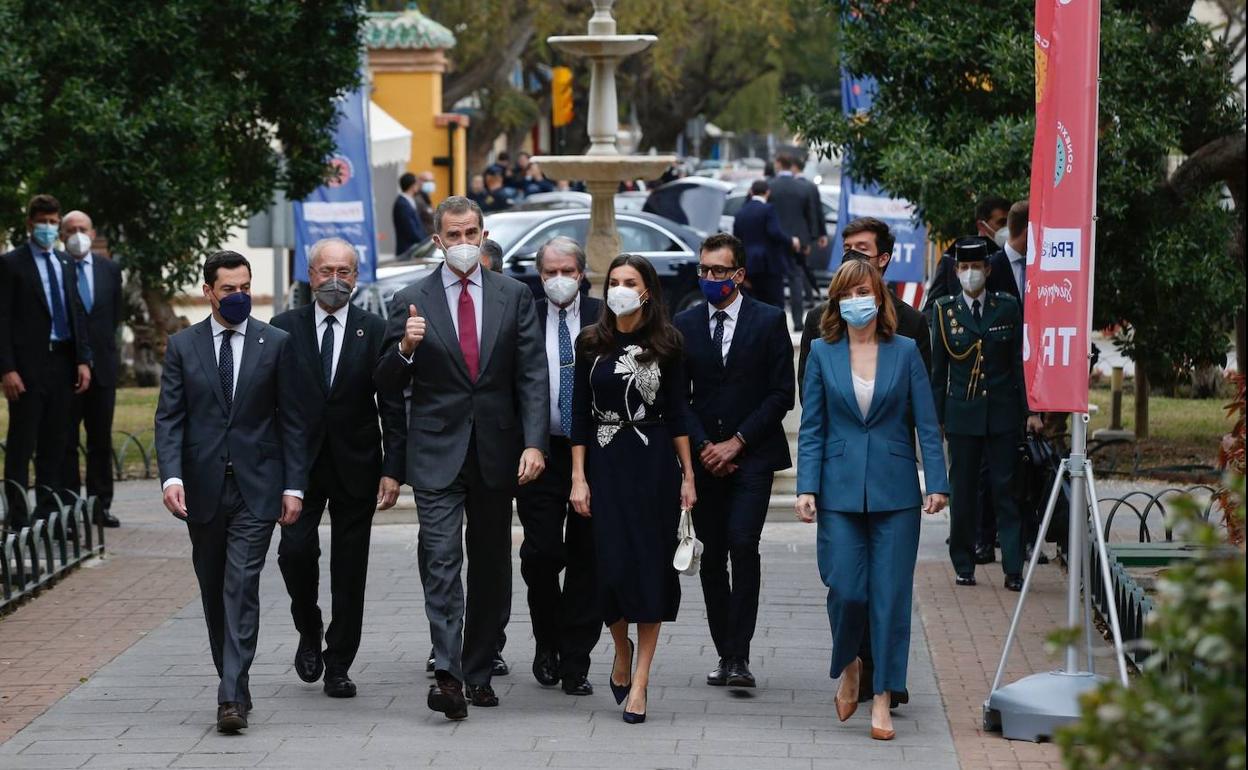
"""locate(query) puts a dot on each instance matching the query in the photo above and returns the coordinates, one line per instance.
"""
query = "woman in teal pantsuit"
(866, 392)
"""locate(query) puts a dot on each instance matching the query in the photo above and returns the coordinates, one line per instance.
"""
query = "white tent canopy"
(391, 142)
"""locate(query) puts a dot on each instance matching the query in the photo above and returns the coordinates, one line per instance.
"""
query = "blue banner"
(863, 200)
(342, 208)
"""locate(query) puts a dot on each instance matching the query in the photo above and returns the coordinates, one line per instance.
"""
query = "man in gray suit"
(797, 204)
(231, 448)
(478, 426)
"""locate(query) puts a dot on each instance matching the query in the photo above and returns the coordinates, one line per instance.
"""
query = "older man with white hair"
(356, 462)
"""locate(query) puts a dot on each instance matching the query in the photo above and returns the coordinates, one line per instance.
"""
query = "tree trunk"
(152, 323)
(1141, 401)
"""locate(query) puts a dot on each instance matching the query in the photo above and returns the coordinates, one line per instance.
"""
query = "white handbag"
(689, 550)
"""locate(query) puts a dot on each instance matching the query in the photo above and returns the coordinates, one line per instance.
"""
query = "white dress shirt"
(1018, 265)
(970, 301)
(340, 327)
(573, 320)
(450, 282)
(730, 323)
(42, 265)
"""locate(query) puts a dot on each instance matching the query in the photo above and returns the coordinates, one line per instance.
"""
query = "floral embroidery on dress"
(606, 432)
(645, 379)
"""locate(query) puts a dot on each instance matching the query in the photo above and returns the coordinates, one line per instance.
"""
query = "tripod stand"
(1034, 706)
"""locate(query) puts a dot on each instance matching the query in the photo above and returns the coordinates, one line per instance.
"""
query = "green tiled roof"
(406, 29)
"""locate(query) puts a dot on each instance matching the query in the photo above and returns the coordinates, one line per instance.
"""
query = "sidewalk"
(148, 700)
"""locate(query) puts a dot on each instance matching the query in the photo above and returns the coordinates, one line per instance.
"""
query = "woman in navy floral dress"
(631, 468)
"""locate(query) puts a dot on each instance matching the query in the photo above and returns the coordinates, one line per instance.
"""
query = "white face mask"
(1001, 237)
(623, 300)
(561, 289)
(972, 280)
(78, 244)
(463, 257)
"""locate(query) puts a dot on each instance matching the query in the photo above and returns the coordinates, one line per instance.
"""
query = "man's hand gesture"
(413, 331)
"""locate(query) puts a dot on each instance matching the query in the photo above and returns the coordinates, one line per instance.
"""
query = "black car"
(670, 247)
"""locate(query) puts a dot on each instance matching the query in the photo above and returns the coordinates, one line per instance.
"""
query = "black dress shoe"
(339, 685)
(546, 668)
(577, 685)
(309, 664)
(739, 674)
(446, 695)
(500, 667)
(719, 675)
(231, 718)
(985, 554)
(481, 695)
(965, 580)
(1013, 583)
(430, 664)
(107, 519)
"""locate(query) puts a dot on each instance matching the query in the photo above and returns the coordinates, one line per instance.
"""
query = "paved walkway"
(126, 681)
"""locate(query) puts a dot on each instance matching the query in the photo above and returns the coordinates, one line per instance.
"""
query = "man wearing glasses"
(337, 345)
(739, 362)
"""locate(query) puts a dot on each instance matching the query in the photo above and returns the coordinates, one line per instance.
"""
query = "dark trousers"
(228, 553)
(987, 534)
(299, 555)
(465, 633)
(768, 288)
(729, 519)
(556, 539)
(94, 411)
(39, 427)
(966, 455)
(800, 288)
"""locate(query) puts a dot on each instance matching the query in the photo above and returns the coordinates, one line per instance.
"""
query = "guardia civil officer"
(981, 402)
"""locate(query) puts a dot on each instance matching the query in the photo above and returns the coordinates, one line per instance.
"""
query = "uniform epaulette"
(945, 300)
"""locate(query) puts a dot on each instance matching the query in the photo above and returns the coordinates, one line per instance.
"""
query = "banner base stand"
(1032, 708)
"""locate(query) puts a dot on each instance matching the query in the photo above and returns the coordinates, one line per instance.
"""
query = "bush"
(1186, 708)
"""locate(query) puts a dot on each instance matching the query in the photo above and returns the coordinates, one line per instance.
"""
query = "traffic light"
(561, 112)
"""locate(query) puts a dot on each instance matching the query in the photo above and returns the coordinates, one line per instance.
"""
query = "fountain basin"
(602, 46)
(604, 168)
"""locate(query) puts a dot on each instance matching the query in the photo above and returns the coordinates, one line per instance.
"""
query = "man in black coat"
(45, 356)
(739, 361)
(767, 248)
(801, 214)
(566, 623)
(336, 347)
(408, 229)
(99, 289)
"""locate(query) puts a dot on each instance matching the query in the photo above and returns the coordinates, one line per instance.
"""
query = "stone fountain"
(602, 168)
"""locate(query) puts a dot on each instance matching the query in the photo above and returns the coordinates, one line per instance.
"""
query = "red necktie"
(468, 330)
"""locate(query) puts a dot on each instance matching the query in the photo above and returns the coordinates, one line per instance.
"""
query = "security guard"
(977, 379)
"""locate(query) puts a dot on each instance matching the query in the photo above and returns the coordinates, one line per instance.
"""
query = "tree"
(954, 121)
(170, 121)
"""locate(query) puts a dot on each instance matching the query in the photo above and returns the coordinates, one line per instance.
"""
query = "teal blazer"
(851, 464)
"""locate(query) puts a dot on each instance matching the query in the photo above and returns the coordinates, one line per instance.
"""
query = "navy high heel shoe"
(620, 691)
(634, 718)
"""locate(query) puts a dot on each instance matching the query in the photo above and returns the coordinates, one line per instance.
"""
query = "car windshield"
(505, 231)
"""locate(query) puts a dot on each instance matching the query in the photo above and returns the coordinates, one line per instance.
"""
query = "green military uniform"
(977, 381)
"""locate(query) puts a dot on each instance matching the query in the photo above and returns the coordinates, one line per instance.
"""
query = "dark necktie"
(718, 337)
(225, 367)
(84, 286)
(975, 312)
(468, 330)
(60, 321)
(327, 351)
(565, 373)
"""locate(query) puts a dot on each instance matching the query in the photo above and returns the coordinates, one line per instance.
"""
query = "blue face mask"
(44, 234)
(235, 307)
(858, 311)
(717, 291)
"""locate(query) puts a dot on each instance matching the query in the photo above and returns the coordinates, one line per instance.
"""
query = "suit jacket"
(26, 318)
(997, 402)
(262, 435)
(591, 309)
(508, 404)
(910, 323)
(797, 203)
(103, 320)
(767, 248)
(748, 393)
(408, 230)
(846, 460)
(343, 433)
(1001, 276)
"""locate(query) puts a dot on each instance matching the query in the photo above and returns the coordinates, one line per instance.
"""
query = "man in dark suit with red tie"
(45, 357)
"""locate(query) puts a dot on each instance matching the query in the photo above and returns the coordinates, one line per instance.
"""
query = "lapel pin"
(260, 340)
(359, 332)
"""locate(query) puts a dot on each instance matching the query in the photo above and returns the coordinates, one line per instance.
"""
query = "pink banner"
(1060, 236)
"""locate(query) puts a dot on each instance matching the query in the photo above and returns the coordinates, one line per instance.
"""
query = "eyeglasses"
(342, 272)
(717, 272)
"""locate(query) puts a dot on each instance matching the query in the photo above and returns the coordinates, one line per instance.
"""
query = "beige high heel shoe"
(846, 710)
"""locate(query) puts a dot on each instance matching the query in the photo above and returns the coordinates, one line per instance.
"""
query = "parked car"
(695, 200)
(672, 249)
(829, 197)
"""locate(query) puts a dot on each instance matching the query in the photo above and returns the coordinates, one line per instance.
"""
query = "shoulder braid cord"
(977, 349)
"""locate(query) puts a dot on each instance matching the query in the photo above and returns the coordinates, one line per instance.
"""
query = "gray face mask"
(334, 293)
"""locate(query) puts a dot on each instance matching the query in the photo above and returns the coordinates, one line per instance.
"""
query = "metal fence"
(128, 449)
(36, 556)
